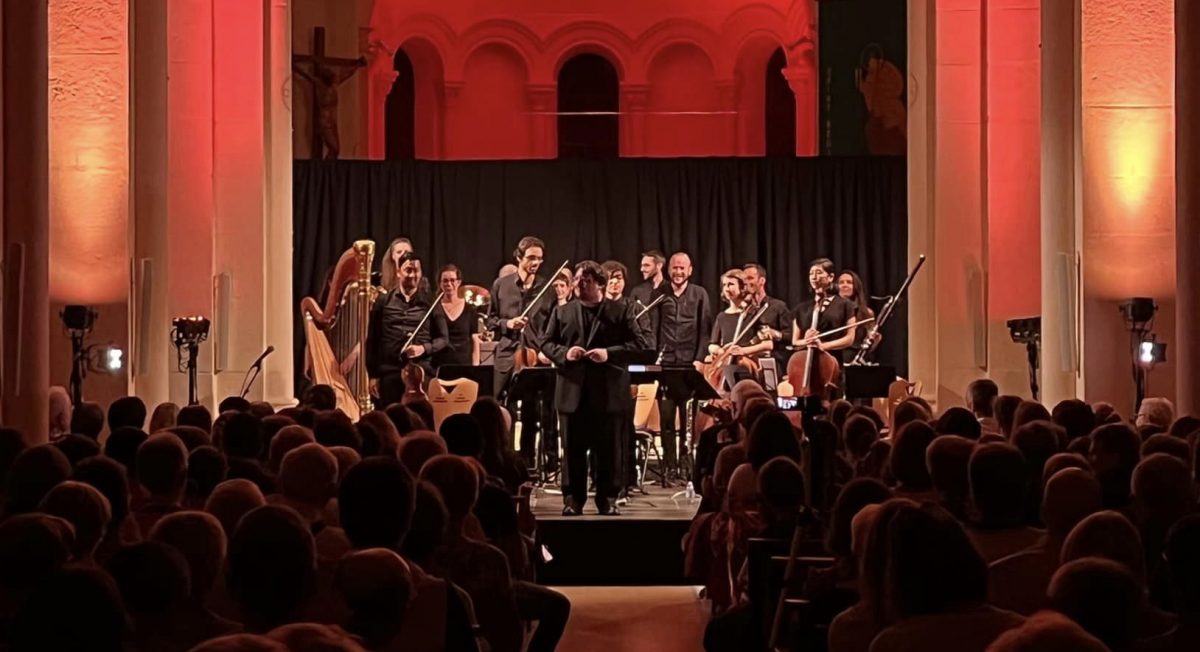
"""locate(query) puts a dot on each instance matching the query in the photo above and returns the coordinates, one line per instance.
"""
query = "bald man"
(685, 322)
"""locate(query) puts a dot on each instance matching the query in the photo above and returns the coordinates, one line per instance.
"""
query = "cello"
(714, 370)
(815, 372)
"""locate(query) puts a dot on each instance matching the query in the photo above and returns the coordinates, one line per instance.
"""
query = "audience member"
(231, 500)
(1100, 595)
(1075, 417)
(389, 437)
(32, 548)
(1038, 441)
(906, 412)
(197, 536)
(162, 473)
(303, 416)
(1162, 494)
(74, 610)
(981, 396)
(155, 586)
(271, 425)
(87, 419)
(315, 637)
(319, 398)
(1155, 411)
(241, 643)
(1182, 557)
(1028, 412)
(110, 479)
(1005, 407)
(195, 415)
(462, 435)
(1047, 631)
(287, 439)
(206, 468)
(191, 436)
(404, 419)
(347, 458)
(233, 404)
(999, 486)
(122, 445)
(856, 495)
(165, 415)
(242, 443)
(12, 443)
(271, 571)
(771, 436)
(859, 433)
(1060, 461)
(1018, 582)
(936, 587)
(498, 456)
(1105, 413)
(127, 411)
(418, 448)
(947, 459)
(33, 473)
(424, 411)
(377, 586)
(60, 412)
(959, 421)
(907, 464)
(1115, 451)
(261, 409)
(88, 512)
(77, 447)
(1169, 445)
(1184, 427)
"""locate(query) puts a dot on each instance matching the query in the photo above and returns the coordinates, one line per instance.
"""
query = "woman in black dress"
(850, 287)
(458, 319)
(832, 311)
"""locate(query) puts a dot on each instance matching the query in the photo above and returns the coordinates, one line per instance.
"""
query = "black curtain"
(780, 212)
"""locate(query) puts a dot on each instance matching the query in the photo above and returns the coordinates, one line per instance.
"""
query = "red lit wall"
(690, 71)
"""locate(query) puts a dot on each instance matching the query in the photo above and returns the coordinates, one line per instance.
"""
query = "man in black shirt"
(685, 324)
(591, 342)
(652, 286)
(511, 295)
(394, 318)
(777, 318)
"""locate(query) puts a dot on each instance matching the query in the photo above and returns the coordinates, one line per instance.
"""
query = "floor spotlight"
(109, 359)
(1145, 350)
(1028, 331)
(186, 334)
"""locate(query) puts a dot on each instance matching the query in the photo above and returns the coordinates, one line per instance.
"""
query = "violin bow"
(544, 288)
(835, 331)
(421, 323)
(645, 309)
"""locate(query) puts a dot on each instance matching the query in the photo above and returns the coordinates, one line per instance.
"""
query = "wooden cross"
(327, 74)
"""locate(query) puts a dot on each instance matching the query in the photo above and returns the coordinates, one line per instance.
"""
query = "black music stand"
(682, 382)
(482, 374)
(527, 383)
(868, 381)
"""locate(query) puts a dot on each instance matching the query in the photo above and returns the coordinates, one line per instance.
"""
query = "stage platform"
(641, 547)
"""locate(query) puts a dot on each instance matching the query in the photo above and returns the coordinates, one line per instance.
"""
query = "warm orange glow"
(89, 151)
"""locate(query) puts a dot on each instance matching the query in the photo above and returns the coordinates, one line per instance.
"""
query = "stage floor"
(641, 547)
(656, 504)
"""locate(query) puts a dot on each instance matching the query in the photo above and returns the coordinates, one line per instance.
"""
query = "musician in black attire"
(394, 318)
(776, 321)
(511, 295)
(643, 294)
(457, 319)
(850, 287)
(834, 311)
(684, 327)
(736, 321)
(626, 463)
(591, 342)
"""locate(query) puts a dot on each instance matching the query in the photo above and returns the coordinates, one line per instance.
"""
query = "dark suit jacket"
(604, 387)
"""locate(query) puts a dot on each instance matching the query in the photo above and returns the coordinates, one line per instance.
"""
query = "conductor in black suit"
(592, 341)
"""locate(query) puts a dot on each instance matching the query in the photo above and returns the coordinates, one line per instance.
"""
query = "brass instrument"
(336, 332)
(481, 298)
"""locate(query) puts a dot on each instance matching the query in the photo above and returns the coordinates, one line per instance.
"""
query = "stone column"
(1059, 208)
(1187, 208)
(279, 309)
(922, 128)
(543, 103)
(634, 98)
(802, 78)
(151, 353)
(26, 328)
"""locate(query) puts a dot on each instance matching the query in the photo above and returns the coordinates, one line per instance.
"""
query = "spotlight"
(1152, 352)
(1138, 311)
(106, 359)
(1028, 331)
(1025, 329)
(78, 318)
(186, 334)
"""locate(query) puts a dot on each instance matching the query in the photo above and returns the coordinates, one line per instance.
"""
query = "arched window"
(587, 84)
(400, 112)
(780, 109)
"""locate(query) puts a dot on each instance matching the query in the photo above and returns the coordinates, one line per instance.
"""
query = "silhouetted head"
(197, 536)
(231, 500)
(87, 419)
(33, 473)
(375, 503)
(908, 456)
(1100, 595)
(999, 484)
(127, 411)
(195, 415)
(272, 566)
(85, 508)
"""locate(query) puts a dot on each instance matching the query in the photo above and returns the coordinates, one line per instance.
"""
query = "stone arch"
(664, 34)
(588, 37)
(390, 33)
(515, 36)
(751, 24)
(490, 104)
(687, 106)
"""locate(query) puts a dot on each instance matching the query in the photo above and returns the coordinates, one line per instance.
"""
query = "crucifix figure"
(327, 74)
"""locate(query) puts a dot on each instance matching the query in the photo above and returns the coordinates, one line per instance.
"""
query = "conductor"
(591, 342)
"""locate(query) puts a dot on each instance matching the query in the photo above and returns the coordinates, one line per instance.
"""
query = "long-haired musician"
(732, 328)
(833, 312)
(850, 287)
(396, 321)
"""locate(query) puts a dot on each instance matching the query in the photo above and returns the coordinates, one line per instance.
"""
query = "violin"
(713, 370)
(413, 375)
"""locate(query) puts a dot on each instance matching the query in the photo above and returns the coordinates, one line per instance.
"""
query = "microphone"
(266, 352)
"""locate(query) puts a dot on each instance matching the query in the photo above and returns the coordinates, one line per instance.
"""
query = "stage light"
(1025, 329)
(186, 334)
(1152, 352)
(78, 318)
(1138, 311)
(108, 359)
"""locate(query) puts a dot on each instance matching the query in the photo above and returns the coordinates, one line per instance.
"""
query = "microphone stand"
(253, 371)
(885, 313)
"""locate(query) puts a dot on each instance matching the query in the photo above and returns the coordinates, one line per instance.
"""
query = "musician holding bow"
(833, 312)
(734, 332)
(400, 333)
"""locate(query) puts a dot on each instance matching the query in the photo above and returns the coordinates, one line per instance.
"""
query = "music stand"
(868, 381)
(681, 382)
(479, 373)
(526, 384)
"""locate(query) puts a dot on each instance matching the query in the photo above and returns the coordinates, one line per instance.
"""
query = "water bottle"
(690, 492)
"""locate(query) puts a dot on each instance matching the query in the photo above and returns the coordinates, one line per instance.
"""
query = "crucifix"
(327, 74)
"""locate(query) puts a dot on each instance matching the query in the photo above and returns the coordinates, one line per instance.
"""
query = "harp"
(336, 332)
